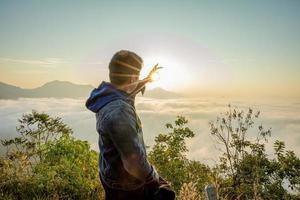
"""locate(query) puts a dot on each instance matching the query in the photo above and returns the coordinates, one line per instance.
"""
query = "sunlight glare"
(172, 76)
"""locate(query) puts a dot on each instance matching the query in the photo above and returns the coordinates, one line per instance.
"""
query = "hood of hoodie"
(104, 94)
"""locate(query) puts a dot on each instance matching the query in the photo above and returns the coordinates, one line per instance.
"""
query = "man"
(125, 172)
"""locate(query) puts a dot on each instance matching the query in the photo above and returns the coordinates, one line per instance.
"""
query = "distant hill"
(65, 89)
(160, 93)
(57, 89)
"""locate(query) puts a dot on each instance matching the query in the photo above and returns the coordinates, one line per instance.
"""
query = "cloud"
(47, 62)
(283, 117)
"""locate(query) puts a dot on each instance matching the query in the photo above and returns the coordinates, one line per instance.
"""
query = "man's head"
(124, 69)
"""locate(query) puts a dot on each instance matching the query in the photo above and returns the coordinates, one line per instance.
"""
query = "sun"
(173, 75)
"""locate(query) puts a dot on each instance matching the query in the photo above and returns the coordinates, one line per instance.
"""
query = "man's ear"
(132, 79)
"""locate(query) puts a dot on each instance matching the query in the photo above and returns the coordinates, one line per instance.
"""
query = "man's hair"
(123, 65)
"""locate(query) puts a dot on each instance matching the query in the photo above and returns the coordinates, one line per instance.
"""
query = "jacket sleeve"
(123, 132)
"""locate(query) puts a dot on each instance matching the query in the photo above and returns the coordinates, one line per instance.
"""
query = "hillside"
(57, 89)
(65, 89)
(160, 93)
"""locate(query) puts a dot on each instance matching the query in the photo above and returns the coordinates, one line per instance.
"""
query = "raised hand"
(152, 72)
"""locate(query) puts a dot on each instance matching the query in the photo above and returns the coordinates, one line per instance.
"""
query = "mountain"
(56, 89)
(160, 93)
(10, 92)
(65, 89)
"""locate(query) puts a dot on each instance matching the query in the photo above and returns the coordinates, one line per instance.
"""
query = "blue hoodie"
(122, 161)
(104, 94)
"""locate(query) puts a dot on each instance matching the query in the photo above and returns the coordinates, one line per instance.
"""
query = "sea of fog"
(282, 115)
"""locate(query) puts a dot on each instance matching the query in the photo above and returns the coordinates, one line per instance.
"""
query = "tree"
(46, 162)
(69, 169)
(245, 169)
(167, 155)
(36, 130)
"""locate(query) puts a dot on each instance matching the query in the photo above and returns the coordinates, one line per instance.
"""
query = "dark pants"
(144, 193)
(115, 194)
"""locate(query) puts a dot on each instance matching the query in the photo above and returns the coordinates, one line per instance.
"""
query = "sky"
(206, 47)
(230, 49)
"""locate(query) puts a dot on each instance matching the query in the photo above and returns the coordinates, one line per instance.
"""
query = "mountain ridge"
(66, 89)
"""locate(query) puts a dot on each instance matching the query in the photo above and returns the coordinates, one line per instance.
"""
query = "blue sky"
(256, 41)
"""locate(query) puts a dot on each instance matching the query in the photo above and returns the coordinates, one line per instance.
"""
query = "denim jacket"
(122, 160)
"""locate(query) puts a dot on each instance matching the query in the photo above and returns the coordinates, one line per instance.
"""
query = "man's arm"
(123, 132)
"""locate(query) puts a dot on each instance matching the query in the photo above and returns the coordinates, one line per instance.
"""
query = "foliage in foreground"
(46, 162)
(245, 171)
(167, 155)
